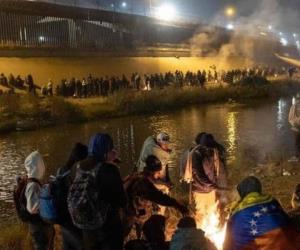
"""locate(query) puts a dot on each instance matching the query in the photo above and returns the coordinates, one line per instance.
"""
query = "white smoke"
(248, 39)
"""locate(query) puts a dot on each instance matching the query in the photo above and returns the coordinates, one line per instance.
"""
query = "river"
(250, 132)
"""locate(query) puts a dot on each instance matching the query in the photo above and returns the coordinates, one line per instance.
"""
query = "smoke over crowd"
(253, 37)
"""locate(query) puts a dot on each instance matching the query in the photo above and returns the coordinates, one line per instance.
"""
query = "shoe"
(293, 159)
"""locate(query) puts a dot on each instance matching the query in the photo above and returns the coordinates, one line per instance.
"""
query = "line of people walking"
(97, 209)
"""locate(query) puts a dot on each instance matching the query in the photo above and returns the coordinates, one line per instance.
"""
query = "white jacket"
(150, 147)
(35, 168)
(294, 116)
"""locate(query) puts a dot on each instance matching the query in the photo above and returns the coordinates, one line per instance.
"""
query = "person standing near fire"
(294, 120)
(203, 167)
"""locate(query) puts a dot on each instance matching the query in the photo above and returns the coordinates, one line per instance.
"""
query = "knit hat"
(153, 164)
(163, 138)
(249, 185)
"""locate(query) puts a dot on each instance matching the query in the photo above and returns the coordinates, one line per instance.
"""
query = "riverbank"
(274, 174)
(24, 112)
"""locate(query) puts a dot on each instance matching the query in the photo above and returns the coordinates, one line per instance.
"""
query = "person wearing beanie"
(143, 196)
(42, 233)
(102, 158)
(187, 236)
(158, 146)
(257, 221)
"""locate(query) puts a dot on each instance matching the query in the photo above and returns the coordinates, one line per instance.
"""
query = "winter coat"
(142, 194)
(150, 147)
(188, 238)
(35, 168)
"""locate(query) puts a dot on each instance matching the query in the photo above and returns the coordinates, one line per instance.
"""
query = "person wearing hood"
(294, 120)
(159, 147)
(203, 167)
(187, 236)
(110, 188)
(42, 234)
(257, 221)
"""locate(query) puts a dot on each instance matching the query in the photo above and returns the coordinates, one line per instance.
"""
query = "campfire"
(212, 227)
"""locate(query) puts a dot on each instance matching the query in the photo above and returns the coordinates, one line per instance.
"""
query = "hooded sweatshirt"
(150, 147)
(35, 168)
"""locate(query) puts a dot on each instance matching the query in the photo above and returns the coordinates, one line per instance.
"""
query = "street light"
(124, 4)
(230, 11)
(166, 12)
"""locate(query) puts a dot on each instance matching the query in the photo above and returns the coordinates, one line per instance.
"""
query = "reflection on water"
(248, 132)
(231, 126)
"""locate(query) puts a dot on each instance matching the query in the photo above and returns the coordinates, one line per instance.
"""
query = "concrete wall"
(43, 68)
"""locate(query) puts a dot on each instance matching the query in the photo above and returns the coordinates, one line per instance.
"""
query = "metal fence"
(27, 31)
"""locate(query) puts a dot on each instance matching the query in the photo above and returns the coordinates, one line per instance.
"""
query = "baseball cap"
(163, 138)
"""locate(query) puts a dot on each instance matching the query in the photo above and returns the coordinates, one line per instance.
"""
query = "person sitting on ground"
(137, 245)
(258, 221)
(142, 193)
(159, 147)
(42, 233)
(154, 232)
(187, 236)
(71, 235)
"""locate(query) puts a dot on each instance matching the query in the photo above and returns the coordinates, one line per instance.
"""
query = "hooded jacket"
(35, 168)
(188, 238)
(150, 147)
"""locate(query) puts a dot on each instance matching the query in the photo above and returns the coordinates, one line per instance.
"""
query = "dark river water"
(250, 133)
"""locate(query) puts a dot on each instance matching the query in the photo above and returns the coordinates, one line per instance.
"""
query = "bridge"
(49, 27)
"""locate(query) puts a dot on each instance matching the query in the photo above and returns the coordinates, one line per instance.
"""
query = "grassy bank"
(43, 112)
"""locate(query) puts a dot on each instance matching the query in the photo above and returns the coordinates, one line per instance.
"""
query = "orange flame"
(211, 226)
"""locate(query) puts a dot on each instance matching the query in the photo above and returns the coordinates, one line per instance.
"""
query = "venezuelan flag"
(259, 222)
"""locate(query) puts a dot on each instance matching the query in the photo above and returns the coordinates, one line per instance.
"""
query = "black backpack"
(21, 202)
(59, 189)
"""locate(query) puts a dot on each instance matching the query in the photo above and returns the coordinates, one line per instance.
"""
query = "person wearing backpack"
(203, 166)
(71, 235)
(96, 196)
(26, 197)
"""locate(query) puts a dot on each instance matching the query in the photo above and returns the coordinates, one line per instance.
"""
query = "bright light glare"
(42, 39)
(283, 41)
(280, 33)
(230, 26)
(270, 27)
(294, 35)
(230, 11)
(124, 4)
(166, 12)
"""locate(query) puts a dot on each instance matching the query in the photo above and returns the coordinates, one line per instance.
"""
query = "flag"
(259, 222)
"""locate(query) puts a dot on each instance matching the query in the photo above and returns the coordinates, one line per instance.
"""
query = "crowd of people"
(97, 209)
(103, 86)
